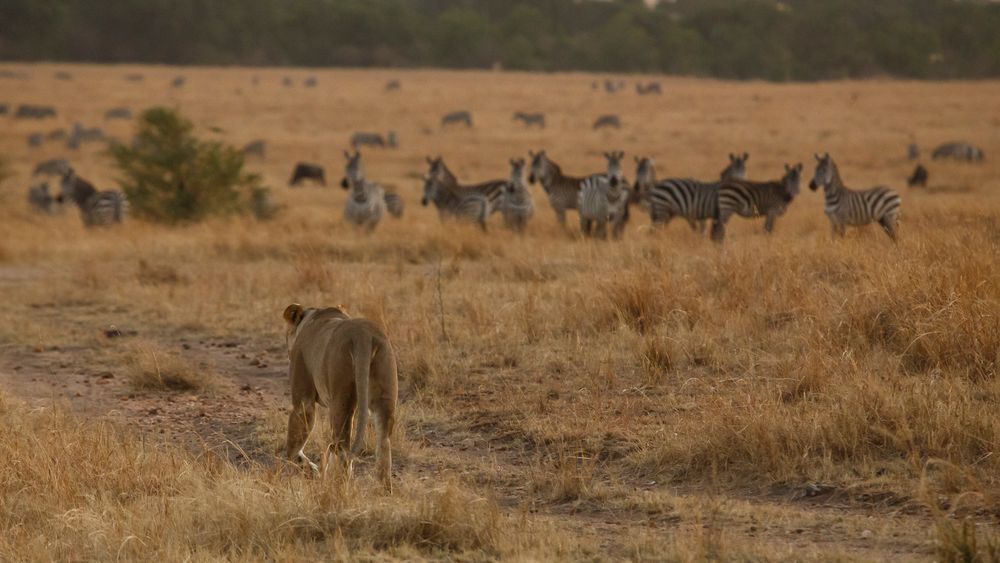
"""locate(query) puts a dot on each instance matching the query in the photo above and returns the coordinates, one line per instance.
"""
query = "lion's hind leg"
(300, 423)
(341, 422)
(383, 406)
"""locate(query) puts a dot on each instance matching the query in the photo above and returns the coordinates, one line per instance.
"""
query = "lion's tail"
(362, 356)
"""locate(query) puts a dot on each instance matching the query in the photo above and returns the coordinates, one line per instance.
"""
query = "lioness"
(340, 362)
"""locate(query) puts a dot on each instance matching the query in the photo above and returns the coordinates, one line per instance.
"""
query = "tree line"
(742, 39)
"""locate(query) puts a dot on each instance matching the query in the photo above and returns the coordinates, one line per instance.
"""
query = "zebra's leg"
(693, 224)
(561, 216)
(769, 223)
(602, 229)
(889, 226)
(585, 226)
(719, 227)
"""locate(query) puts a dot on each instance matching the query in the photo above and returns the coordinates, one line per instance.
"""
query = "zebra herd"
(603, 199)
(97, 208)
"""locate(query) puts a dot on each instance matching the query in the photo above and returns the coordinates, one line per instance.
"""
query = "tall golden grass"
(558, 394)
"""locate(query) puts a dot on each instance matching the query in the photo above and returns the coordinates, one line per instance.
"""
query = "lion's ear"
(293, 314)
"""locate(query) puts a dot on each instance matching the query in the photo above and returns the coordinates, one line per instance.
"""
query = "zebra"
(36, 139)
(368, 201)
(309, 82)
(257, 147)
(56, 134)
(178, 82)
(918, 178)
(682, 197)
(54, 167)
(83, 134)
(650, 88)
(118, 113)
(134, 77)
(737, 167)
(755, 199)
(604, 198)
(912, 151)
(63, 75)
(461, 116)
(393, 85)
(608, 120)
(96, 208)
(371, 139)
(307, 171)
(530, 119)
(516, 204)
(40, 199)
(4, 109)
(844, 206)
(28, 111)
(958, 151)
(563, 191)
(473, 203)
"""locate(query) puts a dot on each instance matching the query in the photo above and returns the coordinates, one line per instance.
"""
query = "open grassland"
(662, 397)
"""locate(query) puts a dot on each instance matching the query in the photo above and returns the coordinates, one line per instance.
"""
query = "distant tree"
(170, 176)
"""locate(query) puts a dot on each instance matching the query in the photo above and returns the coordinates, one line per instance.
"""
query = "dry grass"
(558, 394)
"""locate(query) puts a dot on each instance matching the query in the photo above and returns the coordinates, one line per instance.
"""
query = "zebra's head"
(615, 174)
(645, 175)
(791, 180)
(437, 175)
(825, 172)
(352, 171)
(516, 175)
(541, 167)
(737, 167)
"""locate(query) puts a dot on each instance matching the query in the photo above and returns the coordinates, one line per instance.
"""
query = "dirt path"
(475, 445)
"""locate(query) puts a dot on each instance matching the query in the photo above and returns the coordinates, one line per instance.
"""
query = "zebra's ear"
(531, 153)
(788, 168)
(826, 156)
(798, 167)
(347, 154)
(817, 157)
(429, 161)
(746, 156)
(732, 157)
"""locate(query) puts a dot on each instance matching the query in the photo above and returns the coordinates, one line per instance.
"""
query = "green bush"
(170, 176)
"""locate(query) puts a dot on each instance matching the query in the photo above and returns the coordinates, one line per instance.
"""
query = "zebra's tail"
(394, 204)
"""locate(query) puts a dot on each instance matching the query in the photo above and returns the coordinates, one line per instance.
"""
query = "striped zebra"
(516, 205)
(844, 206)
(563, 191)
(474, 203)
(96, 208)
(460, 116)
(368, 202)
(755, 199)
(958, 151)
(604, 198)
(693, 200)
(40, 199)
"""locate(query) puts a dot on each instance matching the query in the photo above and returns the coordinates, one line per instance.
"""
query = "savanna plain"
(777, 397)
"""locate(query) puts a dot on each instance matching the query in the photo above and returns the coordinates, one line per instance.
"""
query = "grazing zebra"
(958, 151)
(609, 120)
(96, 208)
(35, 139)
(461, 116)
(63, 75)
(516, 205)
(286, 82)
(650, 88)
(371, 139)
(310, 82)
(178, 82)
(4, 109)
(83, 134)
(54, 167)
(393, 85)
(40, 199)
(604, 198)
(28, 111)
(368, 201)
(257, 147)
(473, 203)
(530, 119)
(918, 178)
(307, 171)
(844, 206)
(563, 191)
(56, 134)
(682, 197)
(912, 151)
(118, 113)
(755, 199)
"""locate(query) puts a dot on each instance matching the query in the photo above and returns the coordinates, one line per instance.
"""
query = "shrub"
(170, 176)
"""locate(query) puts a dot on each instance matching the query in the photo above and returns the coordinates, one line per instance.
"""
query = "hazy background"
(791, 40)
